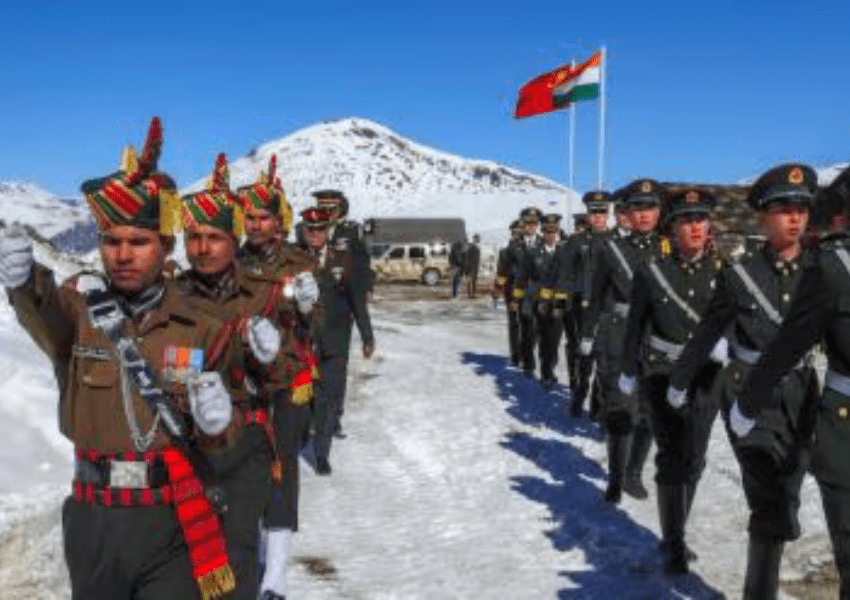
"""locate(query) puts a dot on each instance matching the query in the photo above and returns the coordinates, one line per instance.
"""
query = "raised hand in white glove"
(264, 339)
(739, 423)
(306, 291)
(16, 258)
(210, 403)
(627, 384)
(675, 397)
(585, 347)
(720, 352)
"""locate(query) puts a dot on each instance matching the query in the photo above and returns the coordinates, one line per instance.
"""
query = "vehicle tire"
(431, 277)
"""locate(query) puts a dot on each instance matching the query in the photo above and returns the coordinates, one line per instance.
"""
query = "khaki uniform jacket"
(91, 405)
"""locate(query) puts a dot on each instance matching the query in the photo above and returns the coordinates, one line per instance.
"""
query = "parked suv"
(428, 263)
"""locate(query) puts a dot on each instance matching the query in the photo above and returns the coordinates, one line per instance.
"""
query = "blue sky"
(696, 91)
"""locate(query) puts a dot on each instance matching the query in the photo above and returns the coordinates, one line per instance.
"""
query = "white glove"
(627, 384)
(720, 352)
(210, 402)
(740, 423)
(585, 347)
(306, 291)
(264, 339)
(16, 258)
(676, 398)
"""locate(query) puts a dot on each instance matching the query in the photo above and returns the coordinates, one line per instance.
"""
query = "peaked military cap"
(837, 193)
(332, 200)
(551, 223)
(530, 215)
(137, 195)
(689, 201)
(597, 201)
(515, 225)
(216, 206)
(643, 192)
(792, 183)
(315, 217)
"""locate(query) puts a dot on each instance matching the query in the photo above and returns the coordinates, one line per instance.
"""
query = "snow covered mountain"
(384, 174)
(29, 205)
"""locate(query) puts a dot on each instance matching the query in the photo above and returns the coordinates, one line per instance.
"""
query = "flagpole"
(569, 211)
(602, 77)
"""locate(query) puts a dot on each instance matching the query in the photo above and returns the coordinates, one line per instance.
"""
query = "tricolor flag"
(558, 88)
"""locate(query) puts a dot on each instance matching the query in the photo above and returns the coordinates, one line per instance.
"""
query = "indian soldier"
(132, 358)
(817, 314)
(344, 299)
(346, 237)
(267, 253)
(272, 372)
(504, 285)
(525, 289)
(580, 252)
(669, 295)
(751, 297)
(628, 427)
(472, 262)
(544, 267)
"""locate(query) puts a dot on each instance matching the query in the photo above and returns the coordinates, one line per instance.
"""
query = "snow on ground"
(459, 479)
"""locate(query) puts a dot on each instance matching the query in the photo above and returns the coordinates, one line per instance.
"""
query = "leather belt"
(671, 350)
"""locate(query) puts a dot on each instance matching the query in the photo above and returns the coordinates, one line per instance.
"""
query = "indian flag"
(582, 84)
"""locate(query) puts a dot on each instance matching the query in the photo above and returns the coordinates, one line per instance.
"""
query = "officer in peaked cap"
(505, 275)
(345, 234)
(815, 316)
(670, 292)
(545, 269)
(578, 270)
(771, 427)
(627, 421)
(525, 287)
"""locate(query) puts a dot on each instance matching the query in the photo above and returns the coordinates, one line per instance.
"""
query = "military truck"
(412, 249)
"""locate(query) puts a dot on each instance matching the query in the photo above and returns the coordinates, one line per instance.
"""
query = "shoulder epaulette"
(665, 247)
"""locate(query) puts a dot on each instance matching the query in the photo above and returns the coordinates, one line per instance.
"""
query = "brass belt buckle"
(128, 474)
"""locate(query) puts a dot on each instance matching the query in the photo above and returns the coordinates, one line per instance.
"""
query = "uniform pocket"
(97, 373)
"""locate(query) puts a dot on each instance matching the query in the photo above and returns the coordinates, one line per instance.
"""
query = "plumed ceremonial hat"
(266, 193)
(137, 195)
(216, 206)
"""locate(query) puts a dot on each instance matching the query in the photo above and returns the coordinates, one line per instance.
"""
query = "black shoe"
(672, 514)
(339, 433)
(634, 487)
(323, 467)
(613, 493)
(762, 578)
(270, 595)
(690, 555)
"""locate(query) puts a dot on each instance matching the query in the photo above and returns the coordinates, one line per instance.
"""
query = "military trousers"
(832, 472)
(571, 337)
(291, 424)
(549, 331)
(528, 336)
(513, 334)
(608, 350)
(244, 473)
(775, 455)
(681, 435)
(330, 392)
(126, 553)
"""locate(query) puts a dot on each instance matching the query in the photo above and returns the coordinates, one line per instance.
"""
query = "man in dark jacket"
(471, 263)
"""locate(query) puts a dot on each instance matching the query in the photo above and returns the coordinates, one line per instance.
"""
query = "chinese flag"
(535, 97)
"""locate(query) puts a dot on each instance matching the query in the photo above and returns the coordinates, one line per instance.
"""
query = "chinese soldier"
(545, 269)
(580, 252)
(132, 357)
(751, 298)
(629, 431)
(344, 300)
(504, 286)
(525, 288)
(669, 295)
(246, 301)
(267, 253)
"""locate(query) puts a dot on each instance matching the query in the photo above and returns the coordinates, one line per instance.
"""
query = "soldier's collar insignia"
(795, 176)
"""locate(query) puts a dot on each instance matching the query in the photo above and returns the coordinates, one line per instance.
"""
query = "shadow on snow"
(621, 556)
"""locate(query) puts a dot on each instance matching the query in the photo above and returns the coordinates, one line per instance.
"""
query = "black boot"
(618, 451)
(672, 513)
(763, 558)
(641, 444)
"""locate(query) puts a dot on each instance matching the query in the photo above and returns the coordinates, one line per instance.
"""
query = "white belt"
(745, 355)
(671, 350)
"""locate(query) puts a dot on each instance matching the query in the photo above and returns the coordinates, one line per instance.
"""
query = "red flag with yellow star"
(536, 96)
